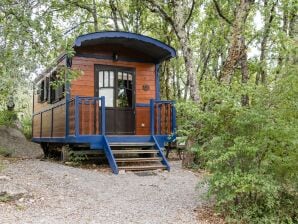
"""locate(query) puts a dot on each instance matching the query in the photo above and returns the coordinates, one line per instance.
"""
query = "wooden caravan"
(114, 105)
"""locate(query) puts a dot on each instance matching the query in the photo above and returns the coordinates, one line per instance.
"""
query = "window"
(124, 91)
(106, 86)
(56, 90)
(42, 91)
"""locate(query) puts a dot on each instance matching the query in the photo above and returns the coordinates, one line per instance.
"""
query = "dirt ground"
(49, 192)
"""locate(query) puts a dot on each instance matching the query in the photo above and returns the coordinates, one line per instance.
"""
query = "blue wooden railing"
(87, 111)
(81, 106)
(162, 117)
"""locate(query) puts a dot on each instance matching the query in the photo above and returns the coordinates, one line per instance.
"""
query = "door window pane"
(106, 79)
(109, 96)
(111, 78)
(100, 79)
(124, 93)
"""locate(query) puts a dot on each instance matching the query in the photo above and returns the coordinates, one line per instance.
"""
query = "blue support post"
(164, 160)
(103, 116)
(77, 115)
(110, 156)
(152, 116)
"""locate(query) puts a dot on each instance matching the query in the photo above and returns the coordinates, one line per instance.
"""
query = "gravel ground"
(60, 194)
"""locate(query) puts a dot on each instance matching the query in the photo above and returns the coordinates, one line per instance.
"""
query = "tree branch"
(190, 12)
(157, 8)
(220, 12)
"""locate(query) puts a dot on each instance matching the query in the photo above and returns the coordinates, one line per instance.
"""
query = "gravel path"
(62, 194)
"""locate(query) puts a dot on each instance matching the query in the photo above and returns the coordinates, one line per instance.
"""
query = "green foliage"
(252, 151)
(7, 118)
(27, 126)
(77, 159)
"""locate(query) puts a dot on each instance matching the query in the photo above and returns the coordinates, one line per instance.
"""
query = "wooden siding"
(145, 75)
(44, 126)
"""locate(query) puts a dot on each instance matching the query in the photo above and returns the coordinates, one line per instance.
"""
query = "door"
(117, 84)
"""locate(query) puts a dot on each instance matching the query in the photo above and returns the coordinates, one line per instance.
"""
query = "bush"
(27, 126)
(7, 117)
(251, 152)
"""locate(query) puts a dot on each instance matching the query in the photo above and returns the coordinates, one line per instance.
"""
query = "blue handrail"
(157, 104)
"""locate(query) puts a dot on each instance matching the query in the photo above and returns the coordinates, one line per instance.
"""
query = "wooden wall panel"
(46, 123)
(59, 122)
(142, 117)
(36, 126)
(84, 85)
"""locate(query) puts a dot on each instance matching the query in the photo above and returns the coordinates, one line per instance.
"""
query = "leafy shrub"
(252, 152)
(7, 117)
(27, 126)
(77, 159)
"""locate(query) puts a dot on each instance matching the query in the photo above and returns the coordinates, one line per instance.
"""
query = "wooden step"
(133, 151)
(153, 159)
(136, 168)
(132, 144)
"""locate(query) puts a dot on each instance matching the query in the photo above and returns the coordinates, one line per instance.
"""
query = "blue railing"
(87, 116)
(162, 117)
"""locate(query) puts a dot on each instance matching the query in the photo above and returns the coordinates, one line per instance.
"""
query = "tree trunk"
(235, 52)
(94, 14)
(262, 73)
(114, 13)
(244, 73)
(178, 24)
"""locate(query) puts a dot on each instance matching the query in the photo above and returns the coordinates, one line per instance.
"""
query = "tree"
(178, 20)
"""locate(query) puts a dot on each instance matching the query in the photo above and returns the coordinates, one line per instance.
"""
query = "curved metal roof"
(155, 49)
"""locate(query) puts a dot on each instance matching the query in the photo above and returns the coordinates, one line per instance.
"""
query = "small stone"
(4, 178)
(21, 200)
(121, 171)
(94, 165)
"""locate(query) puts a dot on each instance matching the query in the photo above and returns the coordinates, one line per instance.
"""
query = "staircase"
(133, 154)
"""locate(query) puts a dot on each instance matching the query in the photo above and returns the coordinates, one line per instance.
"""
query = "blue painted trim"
(142, 105)
(103, 115)
(164, 160)
(157, 83)
(117, 34)
(110, 156)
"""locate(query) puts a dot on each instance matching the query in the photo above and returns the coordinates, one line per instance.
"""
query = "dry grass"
(207, 215)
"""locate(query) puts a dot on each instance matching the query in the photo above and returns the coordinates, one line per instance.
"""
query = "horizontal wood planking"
(36, 126)
(84, 85)
(46, 123)
(59, 121)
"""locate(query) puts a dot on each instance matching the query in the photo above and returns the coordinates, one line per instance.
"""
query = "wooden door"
(117, 84)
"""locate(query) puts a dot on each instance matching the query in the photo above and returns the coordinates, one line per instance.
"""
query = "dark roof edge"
(113, 34)
(60, 58)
